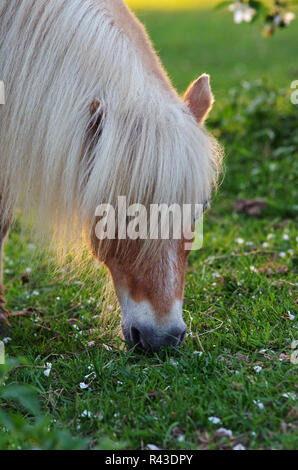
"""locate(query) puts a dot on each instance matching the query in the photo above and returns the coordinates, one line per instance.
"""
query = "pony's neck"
(126, 21)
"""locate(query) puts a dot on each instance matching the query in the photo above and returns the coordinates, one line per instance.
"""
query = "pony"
(91, 115)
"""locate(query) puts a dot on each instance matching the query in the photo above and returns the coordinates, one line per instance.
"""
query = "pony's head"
(149, 280)
(151, 295)
(142, 141)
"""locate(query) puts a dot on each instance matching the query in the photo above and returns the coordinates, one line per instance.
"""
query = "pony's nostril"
(138, 339)
(182, 336)
(135, 335)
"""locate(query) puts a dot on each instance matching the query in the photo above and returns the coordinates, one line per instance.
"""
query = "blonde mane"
(55, 58)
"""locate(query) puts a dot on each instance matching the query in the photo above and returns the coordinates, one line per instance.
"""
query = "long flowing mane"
(55, 57)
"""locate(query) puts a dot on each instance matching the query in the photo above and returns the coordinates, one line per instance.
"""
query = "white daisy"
(214, 420)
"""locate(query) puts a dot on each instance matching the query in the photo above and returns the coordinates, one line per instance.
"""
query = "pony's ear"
(96, 113)
(199, 98)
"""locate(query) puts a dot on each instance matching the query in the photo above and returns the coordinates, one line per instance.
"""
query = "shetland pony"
(91, 115)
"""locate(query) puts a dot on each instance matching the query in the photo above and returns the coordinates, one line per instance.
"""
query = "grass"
(239, 299)
(192, 42)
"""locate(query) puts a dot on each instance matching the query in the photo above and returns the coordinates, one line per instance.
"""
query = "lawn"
(192, 42)
(236, 368)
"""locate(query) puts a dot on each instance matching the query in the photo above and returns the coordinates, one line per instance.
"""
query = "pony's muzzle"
(150, 339)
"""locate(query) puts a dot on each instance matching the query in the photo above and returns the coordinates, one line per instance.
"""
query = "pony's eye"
(200, 211)
(206, 205)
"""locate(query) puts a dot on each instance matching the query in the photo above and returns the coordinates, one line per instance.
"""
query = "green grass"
(193, 42)
(237, 297)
